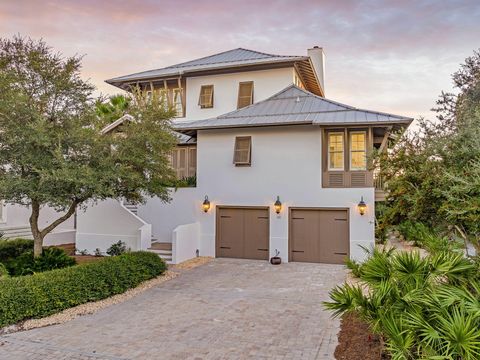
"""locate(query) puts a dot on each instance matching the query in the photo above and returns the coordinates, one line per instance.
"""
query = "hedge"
(10, 249)
(49, 292)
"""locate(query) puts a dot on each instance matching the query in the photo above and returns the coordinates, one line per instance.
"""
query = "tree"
(112, 108)
(52, 151)
(433, 174)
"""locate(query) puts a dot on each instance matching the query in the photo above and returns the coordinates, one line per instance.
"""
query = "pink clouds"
(376, 50)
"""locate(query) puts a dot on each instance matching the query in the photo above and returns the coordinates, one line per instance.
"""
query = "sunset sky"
(393, 56)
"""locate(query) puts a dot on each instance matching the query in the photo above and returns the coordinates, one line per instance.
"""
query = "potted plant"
(276, 260)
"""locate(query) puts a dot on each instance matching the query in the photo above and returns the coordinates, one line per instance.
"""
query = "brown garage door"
(319, 235)
(242, 233)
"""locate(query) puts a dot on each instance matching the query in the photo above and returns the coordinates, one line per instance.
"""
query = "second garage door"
(319, 235)
(242, 233)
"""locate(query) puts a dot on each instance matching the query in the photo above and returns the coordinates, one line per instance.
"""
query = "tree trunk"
(39, 235)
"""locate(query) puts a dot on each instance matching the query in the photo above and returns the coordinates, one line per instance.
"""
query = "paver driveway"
(227, 309)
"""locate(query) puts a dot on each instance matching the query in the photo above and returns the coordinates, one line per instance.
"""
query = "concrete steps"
(164, 250)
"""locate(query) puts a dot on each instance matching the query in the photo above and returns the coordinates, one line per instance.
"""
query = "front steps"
(164, 250)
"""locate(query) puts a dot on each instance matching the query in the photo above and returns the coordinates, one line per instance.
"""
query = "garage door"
(242, 233)
(319, 235)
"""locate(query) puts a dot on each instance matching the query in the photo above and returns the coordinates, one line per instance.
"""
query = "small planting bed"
(355, 341)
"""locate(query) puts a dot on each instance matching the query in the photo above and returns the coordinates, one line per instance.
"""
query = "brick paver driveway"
(227, 309)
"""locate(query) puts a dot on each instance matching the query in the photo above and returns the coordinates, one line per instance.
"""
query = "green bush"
(117, 249)
(427, 238)
(424, 308)
(10, 249)
(3, 271)
(51, 258)
(46, 293)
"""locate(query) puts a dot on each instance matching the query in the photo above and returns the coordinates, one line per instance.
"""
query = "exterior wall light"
(362, 207)
(278, 205)
(206, 204)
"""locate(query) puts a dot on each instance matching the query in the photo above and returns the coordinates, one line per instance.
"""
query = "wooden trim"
(290, 209)
(328, 149)
(367, 134)
(202, 102)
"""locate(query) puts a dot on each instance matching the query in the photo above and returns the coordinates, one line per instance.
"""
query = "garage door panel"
(334, 236)
(243, 233)
(256, 234)
(231, 227)
(304, 227)
(319, 235)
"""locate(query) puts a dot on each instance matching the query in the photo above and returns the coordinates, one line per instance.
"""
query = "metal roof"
(293, 106)
(230, 58)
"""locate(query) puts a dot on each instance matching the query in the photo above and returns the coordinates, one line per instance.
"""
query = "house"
(278, 167)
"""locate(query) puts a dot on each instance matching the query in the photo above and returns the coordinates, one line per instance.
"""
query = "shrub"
(51, 258)
(117, 249)
(423, 307)
(355, 267)
(3, 271)
(49, 292)
(10, 249)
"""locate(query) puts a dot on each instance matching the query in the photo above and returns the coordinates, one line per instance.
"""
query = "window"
(177, 102)
(335, 151)
(245, 94)
(184, 161)
(358, 150)
(243, 150)
(205, 100)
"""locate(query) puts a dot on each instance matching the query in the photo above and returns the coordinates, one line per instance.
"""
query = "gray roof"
(235, 57)
(293, 106)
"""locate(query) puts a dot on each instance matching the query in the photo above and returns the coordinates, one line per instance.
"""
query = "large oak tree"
(52, 150)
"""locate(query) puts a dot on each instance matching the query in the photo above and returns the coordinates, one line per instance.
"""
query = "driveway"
(227, 309)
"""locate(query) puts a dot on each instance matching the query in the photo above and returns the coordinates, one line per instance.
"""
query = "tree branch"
(61, 219)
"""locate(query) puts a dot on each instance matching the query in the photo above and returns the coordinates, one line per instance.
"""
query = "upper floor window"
(205, 100)
(245, 94)
(177, 102)
(335, 151)
(358, 150)
(243, 150)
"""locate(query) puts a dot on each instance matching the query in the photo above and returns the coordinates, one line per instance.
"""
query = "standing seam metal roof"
(235, 57)
(291, 106)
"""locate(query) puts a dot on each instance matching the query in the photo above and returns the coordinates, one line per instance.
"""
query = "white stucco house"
(278, 167)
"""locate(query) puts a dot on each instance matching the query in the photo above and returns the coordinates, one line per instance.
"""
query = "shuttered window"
(335, 151)
(206, 97)
(358, 150)
(177, 102)
(245, 94)
(184, 161)
(242, 153)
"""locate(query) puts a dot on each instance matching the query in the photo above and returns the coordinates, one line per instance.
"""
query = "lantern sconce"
(362, 207)
(278, 205)
(206, 204)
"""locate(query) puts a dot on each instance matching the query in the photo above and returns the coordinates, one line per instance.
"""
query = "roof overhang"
(125, 83)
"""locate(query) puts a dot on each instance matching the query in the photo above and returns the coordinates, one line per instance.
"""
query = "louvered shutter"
(192, 161)
(242, 152)
(205, 99)
(245, 94)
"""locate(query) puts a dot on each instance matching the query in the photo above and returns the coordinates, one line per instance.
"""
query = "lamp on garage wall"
(278, 205)
(362, 207)
(206, 204)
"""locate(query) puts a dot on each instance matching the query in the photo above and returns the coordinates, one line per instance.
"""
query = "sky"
(394, 56)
